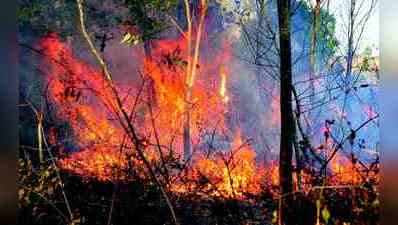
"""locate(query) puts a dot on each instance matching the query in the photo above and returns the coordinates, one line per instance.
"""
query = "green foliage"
(39, 194)
(60, 16)
(36, 185)
(27, 12)
(160, 5)
(42, 16)
(327, 31)
(367, 61)
(325, 214)
(149, 15)
(327, 41)
(130, 39)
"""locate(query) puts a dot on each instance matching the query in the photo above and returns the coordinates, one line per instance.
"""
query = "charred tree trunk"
(147, 50)
(187, 132)
(148, 57)
(287, 117)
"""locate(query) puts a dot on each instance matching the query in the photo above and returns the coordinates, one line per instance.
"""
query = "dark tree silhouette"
(286, 107)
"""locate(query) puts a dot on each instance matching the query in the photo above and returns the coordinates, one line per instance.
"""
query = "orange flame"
(344, 171)
(83, 99)
(230, 174)
(223, 88)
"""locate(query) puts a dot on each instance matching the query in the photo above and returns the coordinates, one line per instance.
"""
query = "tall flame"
(223, 85)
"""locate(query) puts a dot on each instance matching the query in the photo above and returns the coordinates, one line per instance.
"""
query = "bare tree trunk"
(287, 118)
(351, 30)
(187, 131)
(313, 46)
(191, 71)
(147, 50)
(187, 118)
(148, 57)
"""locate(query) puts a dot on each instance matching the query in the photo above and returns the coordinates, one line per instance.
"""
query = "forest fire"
(166, 70)
(83, 99)
(232, 174)
(344, 171)
(197, 112)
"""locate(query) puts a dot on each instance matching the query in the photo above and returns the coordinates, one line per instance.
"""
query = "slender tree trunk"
(350, 50)
(193, 61)
(287, 117)
(148, 57)
(187, 129)
(313, 46)
(187, 118)
(147, 50)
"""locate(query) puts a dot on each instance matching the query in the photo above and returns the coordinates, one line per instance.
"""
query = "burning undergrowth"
(84, 99)
(223, 162)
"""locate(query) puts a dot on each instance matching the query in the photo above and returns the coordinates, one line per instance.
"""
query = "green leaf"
(325, 214)
(376, 203)
(126, 38)
(274, 217)
(130, 39)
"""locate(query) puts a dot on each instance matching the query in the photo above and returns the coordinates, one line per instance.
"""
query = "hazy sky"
(371, 33)
(340, 9)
